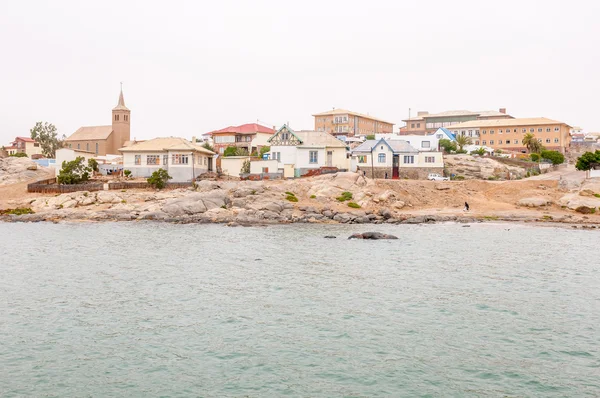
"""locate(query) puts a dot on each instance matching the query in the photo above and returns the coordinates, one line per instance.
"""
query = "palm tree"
(462, 140)
(532, 143)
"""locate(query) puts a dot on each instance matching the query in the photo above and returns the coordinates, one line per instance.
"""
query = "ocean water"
(161, 310)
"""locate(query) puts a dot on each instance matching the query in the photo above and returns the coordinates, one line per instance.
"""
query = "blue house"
(444, 133)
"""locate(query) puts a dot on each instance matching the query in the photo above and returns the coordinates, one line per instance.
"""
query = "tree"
(463, 140)
(159, 178)
(588, 160)
(19, 155)
(206, 145)
(532, 144)
(45, 134)
(554, 156)
(74, 172)
(479, 152)
(230, 151)
(245, 167)
(370, 137)
(447, 145)
(93, 163)
(264, 150)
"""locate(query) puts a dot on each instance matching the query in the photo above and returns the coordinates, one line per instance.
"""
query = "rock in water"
(372, 235)
(330, 237)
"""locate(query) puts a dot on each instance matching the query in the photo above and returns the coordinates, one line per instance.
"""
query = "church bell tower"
(121, 122)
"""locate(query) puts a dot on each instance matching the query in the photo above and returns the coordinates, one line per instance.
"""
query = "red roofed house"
(251, 136)
(27, 146)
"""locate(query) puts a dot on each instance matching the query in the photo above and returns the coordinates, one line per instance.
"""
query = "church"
(104, 140)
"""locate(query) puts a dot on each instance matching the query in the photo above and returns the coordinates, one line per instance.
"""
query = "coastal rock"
(574, 201)
(372, 235)
(108, 197)
(343, 217)
(195, 203)
(537, 201)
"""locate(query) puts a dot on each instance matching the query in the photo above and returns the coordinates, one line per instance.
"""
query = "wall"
(260, 140)
(102, 146)
(288, 154)
(416, 141)
(420, 162)
(414, 173)
(31, 149)
(66, 154)
(256, 167)
(232, 165)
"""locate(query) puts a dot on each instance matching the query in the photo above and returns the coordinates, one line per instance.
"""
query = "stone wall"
(413, 173)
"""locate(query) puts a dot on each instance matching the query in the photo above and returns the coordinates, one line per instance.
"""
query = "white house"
(68, 154)
(183, 160)
(422, 143)
(396, 159)
(299, 152)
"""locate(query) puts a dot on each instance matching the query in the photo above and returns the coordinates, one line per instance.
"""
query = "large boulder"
(108, 197)
(372, 235)
(195, 203)
(574, 201)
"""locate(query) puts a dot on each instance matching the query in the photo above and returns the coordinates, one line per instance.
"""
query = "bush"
(554, 156)
(354, 205)
(461, 151)
(459, 178)
(535, 157)
(447, 145)
(585, 210)
(19, 155)
(127, 173)
(588, 160)
(498, 151)
(370, 137)
(597, 195)
(344, 197)
(230, 151)
(479, 152)
(313, 196)
(291, 198)
(93, 163)
(206, 145)
(159, 178)
(264, 150)
(18, 211)
(245, 167)
(290, 193)
(74, 172)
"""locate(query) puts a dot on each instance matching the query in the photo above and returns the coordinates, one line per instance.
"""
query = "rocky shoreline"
(342, 198)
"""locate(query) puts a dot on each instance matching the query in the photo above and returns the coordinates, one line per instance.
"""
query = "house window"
(313, 156)
(515, 130)
(499, 142)
(476, 142)
(381, 158)
(491, 131)
(362, 159)
(165, 160)
(418, 125)
(484, 132)
(429, 159)
(531, 130)
(556, 129)
(508, 141)
(276, 156)
(412, 125)
(547, 140)
(152, 159)
(547, 129)
(179, 159)
(116, 118)
(491, 142)
(484, 142)
(524, 130)
(126, 117)
(425, 144)
(138, 160)
(539, 140)
(36, 145)
(556, 140)
(78, 146)
(409, 159)
(500, 131)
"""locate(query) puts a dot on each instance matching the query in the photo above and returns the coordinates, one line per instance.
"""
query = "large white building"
(183, 160)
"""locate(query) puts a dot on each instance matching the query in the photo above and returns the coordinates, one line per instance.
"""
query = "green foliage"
(292, 198)
(458, 178)
(587, 160)
(19, 155)
(370, 137)
(290, 193)
(447, 145)
(264, 150)
(45, 134)
(230, 151)
(93, 163)
(597, 195)
(315, 196)
(460, 151)
(493, 178)
(498, 151)
(353, 205)
(479, 152)
(206, 145)
(344, 197)
(554, 156)
(127, 173)
(18, 211)
(245, 167)
(74, 172)
(535, 157)
(463, 140)
(585, 210)
(159, 178)
(532, 143)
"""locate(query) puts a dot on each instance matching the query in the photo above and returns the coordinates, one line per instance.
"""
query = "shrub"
(459, 178)
(498, 151)
(127, 173)
(230, 151)
(73, 172)
(19, 155)
(597, 195)
(370, 137)
(313, 196)
(554, 156)
(461, 151)
(479, 152)
(447, 145)
(292, 198)
(535, 157)
(264, 150)
(245, 167)
(353, 205)
(344, 197)
(587, 160)
(18, 211)
(290, 193)
(585, 210)
(159, 178)
(93, 163)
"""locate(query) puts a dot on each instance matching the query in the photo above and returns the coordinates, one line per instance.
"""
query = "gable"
(285, 136)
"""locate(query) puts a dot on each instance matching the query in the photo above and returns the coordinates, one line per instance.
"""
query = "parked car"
(437, 177)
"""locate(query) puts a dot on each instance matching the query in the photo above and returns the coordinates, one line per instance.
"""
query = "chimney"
(422, 113)
(193, 139)
(503, 110)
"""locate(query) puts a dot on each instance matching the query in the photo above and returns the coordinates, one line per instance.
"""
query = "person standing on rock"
(466, 206)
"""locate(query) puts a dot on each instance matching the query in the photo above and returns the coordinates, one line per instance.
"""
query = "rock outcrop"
(372, 235)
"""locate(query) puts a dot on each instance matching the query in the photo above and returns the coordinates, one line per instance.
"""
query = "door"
(396, 166)
(329, 158)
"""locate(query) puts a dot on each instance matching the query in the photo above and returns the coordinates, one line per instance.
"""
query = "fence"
(51, 186)
(145, 185)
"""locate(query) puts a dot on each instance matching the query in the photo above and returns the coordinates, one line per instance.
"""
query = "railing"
(51, 186)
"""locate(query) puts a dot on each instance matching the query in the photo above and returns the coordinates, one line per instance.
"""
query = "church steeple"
(121, 104)
(121, 122)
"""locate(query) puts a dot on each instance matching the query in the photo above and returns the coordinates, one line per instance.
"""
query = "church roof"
(121, 105)
(88, 133)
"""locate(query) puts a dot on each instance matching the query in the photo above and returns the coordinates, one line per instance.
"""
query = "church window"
(96, 148)
(126, 118)
(78, 146)
(116, 118)
(87, 146)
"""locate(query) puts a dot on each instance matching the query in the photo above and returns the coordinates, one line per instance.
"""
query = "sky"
(190, 67)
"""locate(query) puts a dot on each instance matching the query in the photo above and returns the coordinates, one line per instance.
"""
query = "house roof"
(26, 139)
(456, 113)
(318, 139)
(448, 133)
(347, 112)
(534, 121)
(91, 133)
(396, 146)
(165, 144)
(249, 128)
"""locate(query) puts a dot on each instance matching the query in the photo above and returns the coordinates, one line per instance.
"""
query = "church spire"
(121, 104)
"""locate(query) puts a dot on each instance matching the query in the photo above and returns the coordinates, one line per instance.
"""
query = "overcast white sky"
(190, 67)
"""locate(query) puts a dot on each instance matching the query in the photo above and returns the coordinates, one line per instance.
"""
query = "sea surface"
(161, 310)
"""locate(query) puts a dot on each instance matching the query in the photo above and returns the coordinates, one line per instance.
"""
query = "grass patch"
(492, 218)
(459, 178)
(18, 211)
(291, 198)
(548, 218)
(223, 206)
(597, 195)
(313, 196)
(123, 201)
(253, 192)
(354, 205)
(290, 193)
(344, 197)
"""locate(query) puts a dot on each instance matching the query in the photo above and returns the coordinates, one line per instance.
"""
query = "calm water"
(147, 310)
